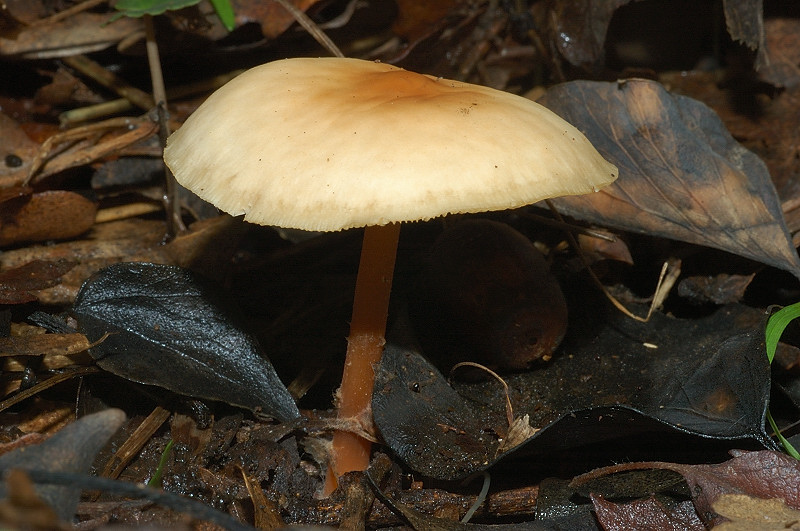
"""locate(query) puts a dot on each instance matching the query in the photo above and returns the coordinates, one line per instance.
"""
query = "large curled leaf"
(689, 380)
(681, 174)
(163, 326)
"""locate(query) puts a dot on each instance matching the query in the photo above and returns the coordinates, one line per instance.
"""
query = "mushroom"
(330, 144)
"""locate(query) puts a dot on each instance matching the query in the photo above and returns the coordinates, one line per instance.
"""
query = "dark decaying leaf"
(718, 289)
(72, 450)
(764, 474)
(16, 153)
(423, 420)
(579, 27)
(681, 174)
(783, 51)
(706, 378)
(486, 294)
(745, 22)
(166, 327)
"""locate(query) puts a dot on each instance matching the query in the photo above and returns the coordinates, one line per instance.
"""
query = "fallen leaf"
(783, 52)
(55, 351)
(273, 17)
(411, 403)
(162, 325)
(601, 249)
(747, 513)
(763, 474)
(17, 284)
(717, 289)
(17, 152)
(486, 294)
(708, 377)
(578, 28)
(645, 514)
(49, 215)
(72, 449)
(205, 248)
(745, 22)
(682, 175)
(23, 508)
(80, 33)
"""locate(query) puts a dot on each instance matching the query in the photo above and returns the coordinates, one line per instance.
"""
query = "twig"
(50, 382)
(311, 27)
(174, 223)
(110, 80)
(74, 10)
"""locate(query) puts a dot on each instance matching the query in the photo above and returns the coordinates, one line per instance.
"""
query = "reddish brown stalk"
(364, 347)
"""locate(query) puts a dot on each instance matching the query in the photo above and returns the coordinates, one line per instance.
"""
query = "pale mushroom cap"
(330, 144)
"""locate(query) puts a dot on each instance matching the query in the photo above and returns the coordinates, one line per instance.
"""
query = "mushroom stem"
(350, 452)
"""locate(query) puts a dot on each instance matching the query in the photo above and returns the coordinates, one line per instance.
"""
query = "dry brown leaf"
(50, 215)
(17, 151)
(273, 18)
(681, 174)
(16, 284)
(762, 474)
(205, 248)
(745, 22)
(746, 513)
(81, 33)
(56, 351)
(601, 249)
(783, 51)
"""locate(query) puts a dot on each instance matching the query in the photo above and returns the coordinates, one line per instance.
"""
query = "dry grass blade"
(669, 274)
(509, 407)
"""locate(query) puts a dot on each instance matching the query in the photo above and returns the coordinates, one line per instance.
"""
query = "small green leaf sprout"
(155, 481)
(776, 324)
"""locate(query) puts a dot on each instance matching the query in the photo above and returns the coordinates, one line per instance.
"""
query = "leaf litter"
(684, 388)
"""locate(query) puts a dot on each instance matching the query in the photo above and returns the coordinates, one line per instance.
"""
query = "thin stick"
(74, 10)
(110, 80)
(173, 209)
(311, 27)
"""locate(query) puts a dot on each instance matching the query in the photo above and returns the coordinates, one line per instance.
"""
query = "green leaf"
(138, 8)
(786, 444)
(777, 324)
(224, 11)
(155, 481)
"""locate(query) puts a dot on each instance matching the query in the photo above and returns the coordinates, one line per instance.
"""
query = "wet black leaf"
(423, 420)
(707, 376)
(686, 381)
(166, 327)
